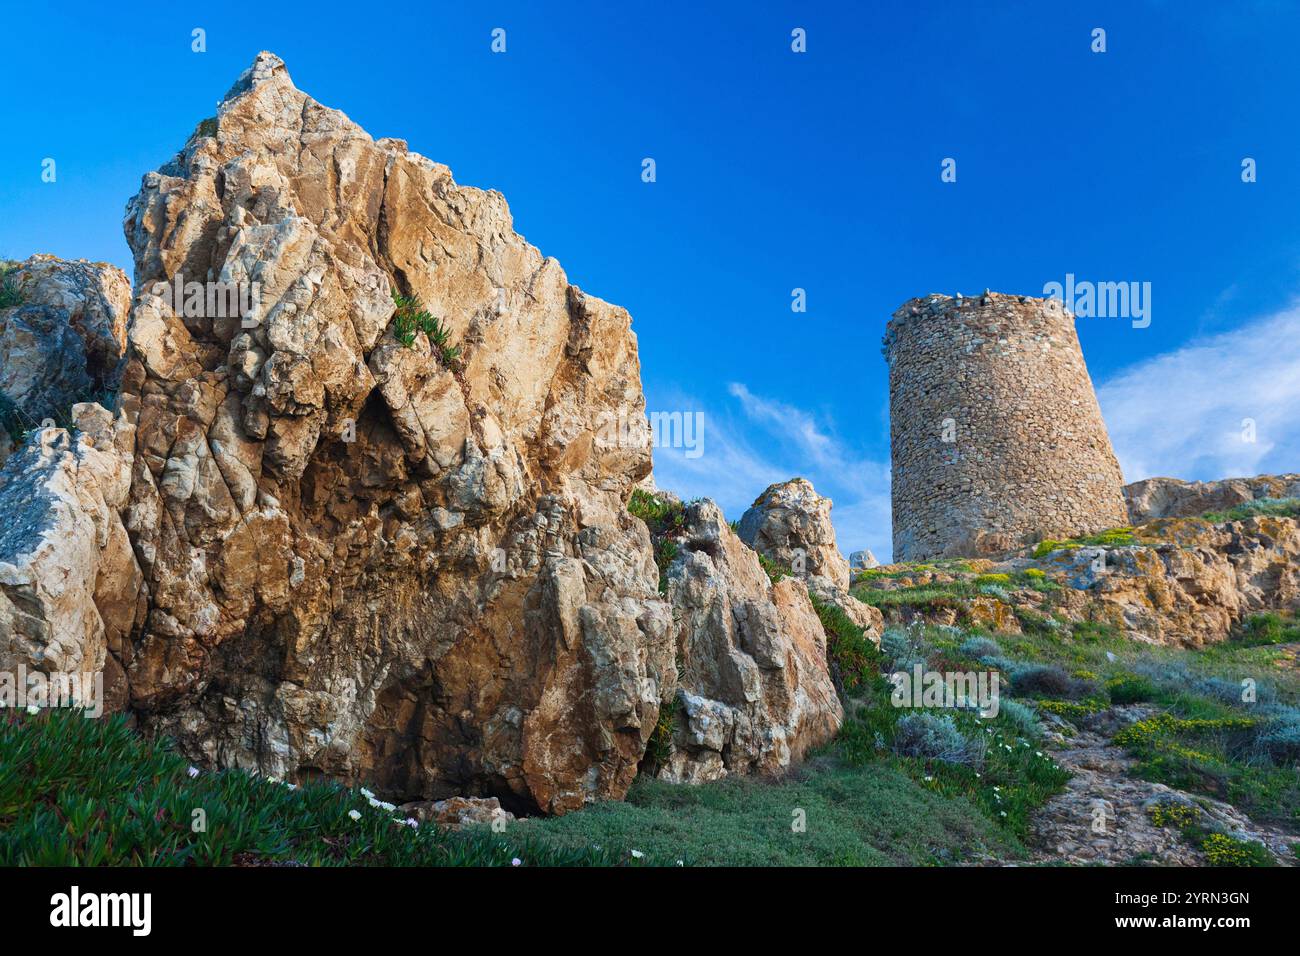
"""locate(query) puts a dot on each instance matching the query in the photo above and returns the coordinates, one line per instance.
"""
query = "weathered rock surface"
(457, 812)
(63, 343)
(370, 561)
(756, 693)
(1104, 816)
(790, 524)
(1155, 498)
(69, 581)
(1188, 582)
(862, 561)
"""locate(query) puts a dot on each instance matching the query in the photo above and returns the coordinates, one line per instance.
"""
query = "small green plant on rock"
(10, 294)
(1176, 815)
(413, 317)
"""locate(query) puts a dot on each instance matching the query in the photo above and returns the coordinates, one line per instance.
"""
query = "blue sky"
(777, 171)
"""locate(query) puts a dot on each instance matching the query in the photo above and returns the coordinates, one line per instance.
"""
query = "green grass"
(950, 594)
(76, 791)
(775, 572)
(872, 815)
(1261, 507)
(1202, 737)
(853, 655)
(1111, 538)
(1268, 628)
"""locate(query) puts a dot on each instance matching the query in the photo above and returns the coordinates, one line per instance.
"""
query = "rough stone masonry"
(995, 433)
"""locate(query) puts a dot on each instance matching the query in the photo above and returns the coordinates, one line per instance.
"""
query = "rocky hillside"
(1178, 581)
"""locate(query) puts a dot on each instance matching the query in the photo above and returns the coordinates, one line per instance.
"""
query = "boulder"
(369, 555)
(790, 524)
(755, 689)
(70, 586)
(456, 812)
(1155, 498)
(862, 561)
(61, 343)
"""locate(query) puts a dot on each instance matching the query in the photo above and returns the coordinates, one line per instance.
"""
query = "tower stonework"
(996, 436)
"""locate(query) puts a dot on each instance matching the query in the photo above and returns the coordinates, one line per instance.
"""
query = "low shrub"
(936, 737)
(1223, 850)
(1279, 738)
(1021, 716)
(1176, 815)
(1046, 680)
(1130, 689)
(975, 648)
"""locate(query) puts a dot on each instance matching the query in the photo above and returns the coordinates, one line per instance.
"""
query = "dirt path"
(1103, 816)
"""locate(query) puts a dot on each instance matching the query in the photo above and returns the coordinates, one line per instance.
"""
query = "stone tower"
(995, 432)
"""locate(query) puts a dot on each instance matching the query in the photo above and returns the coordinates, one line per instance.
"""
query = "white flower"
(411, 822)
(637, 854)
(681, 863)
(516, 862)
(33, 709)
(1038, 752)
(1002, 813)
(928, 779)
(292, 786)
(367, 794)
(355, 814)
(193, 772)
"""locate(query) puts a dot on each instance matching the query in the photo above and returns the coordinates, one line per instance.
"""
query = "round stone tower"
(995, 432)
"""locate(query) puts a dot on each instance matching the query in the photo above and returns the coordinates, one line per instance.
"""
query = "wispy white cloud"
(758, 441)
(1188, 413)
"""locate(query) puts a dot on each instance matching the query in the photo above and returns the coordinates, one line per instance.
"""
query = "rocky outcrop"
(69, 582)
(1155, 498)
(756, 692)
(1184, 582)
(368, 555)
(454, 813)
(62, 343)
(862, 561)
(1191, 583)
(790, 524)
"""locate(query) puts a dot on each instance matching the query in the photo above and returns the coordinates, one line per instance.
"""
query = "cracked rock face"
(756, 693)
(62, 344)
(789, 521)
(1155, 498)
(363, 559)
(69, 581)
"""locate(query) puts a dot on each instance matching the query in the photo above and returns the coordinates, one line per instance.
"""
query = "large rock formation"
(62, 341)
(69, 581)
(1154, 498)
(756, 692)
(367, 556)
(790, 524)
